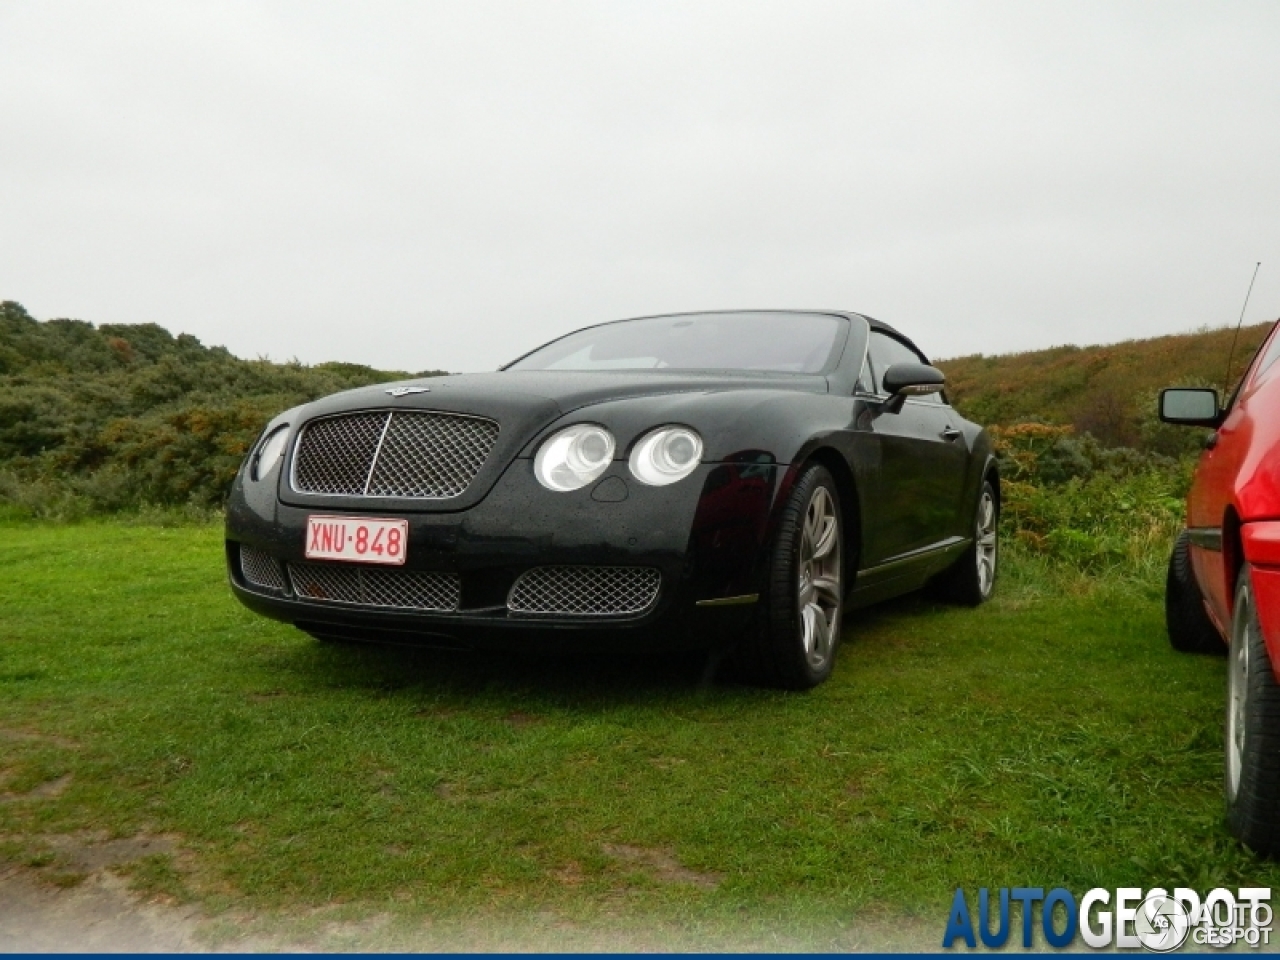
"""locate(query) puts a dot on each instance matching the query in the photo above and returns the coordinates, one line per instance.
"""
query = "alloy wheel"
(987, 546)
(819, 578)
(1238, 689)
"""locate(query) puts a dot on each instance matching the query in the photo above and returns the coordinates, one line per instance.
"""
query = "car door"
(922, 465)
(1217, 476)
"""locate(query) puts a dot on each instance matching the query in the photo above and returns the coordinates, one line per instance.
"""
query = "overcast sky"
(417, 185)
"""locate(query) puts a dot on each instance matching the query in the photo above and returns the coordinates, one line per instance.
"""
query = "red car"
(1223, 590)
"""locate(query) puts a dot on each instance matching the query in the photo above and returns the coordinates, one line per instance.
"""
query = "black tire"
(1251, 779)
(1189, 626)
(965, 581)
(776, 653)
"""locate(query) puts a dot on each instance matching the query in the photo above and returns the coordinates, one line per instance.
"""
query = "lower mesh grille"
(568, 591)
(584, 591)
(260, 570)
(374, 587)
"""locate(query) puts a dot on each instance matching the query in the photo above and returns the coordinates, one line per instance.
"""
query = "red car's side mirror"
(1190, 406)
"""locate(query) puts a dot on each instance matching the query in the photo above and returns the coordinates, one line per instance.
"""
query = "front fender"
(983, 463)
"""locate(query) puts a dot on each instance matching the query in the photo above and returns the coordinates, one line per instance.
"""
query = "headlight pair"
(577, 455)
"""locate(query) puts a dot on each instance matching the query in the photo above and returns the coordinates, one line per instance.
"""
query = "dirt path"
(98, 915)
(79, 901)
(101, 915)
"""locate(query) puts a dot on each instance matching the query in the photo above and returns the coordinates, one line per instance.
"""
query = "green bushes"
(129, 417)
(1093, 481)
(1067, 499)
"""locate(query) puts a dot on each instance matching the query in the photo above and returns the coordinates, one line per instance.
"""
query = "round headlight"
(666, 455)
(269, 452)
(574, 457)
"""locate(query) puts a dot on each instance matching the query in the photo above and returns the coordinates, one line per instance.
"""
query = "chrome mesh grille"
(260, 570)
(334, 454)
(426, 456)
(376, 587)
(584, 591)
(431, 455)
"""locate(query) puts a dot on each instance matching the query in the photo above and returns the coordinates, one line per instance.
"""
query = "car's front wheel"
(795, 643)
(1252, 769)
(1252, 774)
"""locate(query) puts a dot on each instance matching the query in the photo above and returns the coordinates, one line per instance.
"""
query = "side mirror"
(904, 380)
(1190, 406)
(913, 379)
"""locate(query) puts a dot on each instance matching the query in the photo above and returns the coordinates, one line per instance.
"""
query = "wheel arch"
(991, 472)
(1233, 561)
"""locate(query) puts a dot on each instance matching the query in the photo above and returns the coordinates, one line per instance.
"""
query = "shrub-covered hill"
(126, 414)
(1109, 391)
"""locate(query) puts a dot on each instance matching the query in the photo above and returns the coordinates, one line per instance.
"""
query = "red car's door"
(1215, 483)
(1207, 505)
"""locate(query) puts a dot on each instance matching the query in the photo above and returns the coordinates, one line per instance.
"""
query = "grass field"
(1049, 738)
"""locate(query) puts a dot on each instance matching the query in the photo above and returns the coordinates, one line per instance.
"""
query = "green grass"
(1049, 738)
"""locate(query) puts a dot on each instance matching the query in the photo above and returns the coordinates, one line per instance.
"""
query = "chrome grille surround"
(391, 589)
(582, 591)
(419, 455)
(260, 570)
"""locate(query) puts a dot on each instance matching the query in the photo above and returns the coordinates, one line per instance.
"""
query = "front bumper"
(706, 535)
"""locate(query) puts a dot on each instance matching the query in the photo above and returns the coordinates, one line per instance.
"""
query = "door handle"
(950, 433)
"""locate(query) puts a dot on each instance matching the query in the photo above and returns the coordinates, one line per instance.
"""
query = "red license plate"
(357, 539)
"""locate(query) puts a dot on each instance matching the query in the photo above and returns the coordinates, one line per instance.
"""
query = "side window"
(1268, 359)
(884, 352)
(1261, 368)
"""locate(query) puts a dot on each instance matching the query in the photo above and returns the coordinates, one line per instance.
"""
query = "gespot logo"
(1127, 917)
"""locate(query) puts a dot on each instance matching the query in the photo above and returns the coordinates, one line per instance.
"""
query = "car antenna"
(1226, 383)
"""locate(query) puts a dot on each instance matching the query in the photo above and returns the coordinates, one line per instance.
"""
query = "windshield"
(782, 342)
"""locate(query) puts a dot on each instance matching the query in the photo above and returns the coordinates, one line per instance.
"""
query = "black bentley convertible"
(735, 479)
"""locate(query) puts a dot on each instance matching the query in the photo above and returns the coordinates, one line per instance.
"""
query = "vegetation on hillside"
(96, 419)
(1097, 510)
(1108, 392)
